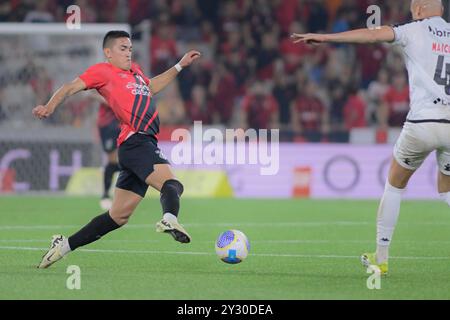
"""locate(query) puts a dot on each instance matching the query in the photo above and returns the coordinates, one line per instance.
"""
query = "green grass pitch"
(300, 249)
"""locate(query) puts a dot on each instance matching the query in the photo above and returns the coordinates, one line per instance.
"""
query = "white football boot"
(54, 253)
(175, 229)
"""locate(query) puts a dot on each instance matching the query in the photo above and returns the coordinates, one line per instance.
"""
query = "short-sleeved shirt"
(426, 48)
(128, 94)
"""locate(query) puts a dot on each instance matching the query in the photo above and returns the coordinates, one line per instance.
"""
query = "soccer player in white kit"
(425, 43)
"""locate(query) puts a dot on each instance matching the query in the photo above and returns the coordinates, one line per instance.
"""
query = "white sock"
(382, 253)
(65, 248)
(388, 212)
(446, 197)
(170, 217)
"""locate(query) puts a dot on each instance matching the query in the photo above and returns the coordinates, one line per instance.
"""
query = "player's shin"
(388, 212)
(93, 231)
(170, 199)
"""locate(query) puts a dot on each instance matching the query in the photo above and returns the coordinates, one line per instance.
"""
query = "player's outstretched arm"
(67, 90)
(161, 81)
(382, 34)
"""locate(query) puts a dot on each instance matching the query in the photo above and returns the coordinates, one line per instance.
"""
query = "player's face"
(120, 53)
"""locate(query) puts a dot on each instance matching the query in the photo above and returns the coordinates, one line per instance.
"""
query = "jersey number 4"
(443, 81)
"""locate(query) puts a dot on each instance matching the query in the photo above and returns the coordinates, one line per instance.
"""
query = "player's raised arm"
(161, 81)
(382, 34)
(65, 91)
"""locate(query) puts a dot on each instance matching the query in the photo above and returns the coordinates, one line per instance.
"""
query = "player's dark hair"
(114, 34)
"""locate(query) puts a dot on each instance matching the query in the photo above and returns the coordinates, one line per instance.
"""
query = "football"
(232, 246)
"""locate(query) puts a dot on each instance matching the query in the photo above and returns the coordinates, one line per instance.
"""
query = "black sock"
(93, 231)
(170, 196)
(110, 169)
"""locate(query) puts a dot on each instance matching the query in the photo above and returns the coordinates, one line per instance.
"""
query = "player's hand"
(189, 57)
(42, 112)
(310, 38)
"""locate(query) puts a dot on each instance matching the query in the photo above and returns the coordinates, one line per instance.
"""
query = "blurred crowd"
(251, 75)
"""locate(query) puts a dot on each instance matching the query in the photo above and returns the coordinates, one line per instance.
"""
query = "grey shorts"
(418, 140)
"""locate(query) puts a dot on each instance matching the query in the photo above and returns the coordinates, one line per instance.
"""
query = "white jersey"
(426, 48)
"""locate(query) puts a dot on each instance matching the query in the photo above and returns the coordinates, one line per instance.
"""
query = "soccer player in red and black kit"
(109, 130)
(129, 94)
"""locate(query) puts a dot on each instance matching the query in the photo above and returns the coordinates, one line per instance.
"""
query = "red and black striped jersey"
(128, 94)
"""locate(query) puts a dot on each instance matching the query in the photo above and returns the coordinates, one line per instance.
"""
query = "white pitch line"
(234, 225)
(227, 225)
(205, 241)
(277, 224)
(202, 225)
(308, 256)
(295, 241)
(31, 227)
(103, 240)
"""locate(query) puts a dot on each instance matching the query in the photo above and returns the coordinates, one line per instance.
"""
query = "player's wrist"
(178, 67)
(50, 108)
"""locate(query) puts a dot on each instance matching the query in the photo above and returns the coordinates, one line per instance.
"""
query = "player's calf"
(170, 201)
(93, 231)
(171, 192)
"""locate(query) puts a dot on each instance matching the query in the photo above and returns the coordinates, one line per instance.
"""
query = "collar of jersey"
(121, 70)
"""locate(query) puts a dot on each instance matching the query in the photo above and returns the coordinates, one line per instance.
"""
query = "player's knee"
(399, 180)
(122, 215)
(121, 220)
(398, 175)
(172, 188)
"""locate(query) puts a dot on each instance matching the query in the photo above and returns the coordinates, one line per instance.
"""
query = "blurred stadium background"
(339, 108)
(250, 76)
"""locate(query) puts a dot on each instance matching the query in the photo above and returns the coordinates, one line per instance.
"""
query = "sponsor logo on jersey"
(442, 101)
(138, 89)
(440, 47)
(439, 33)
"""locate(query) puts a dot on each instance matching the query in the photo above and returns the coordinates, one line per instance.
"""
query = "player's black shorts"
(108, 135)
(137, 156)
